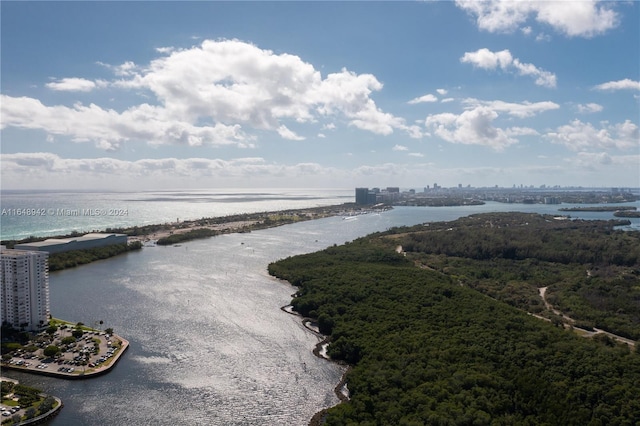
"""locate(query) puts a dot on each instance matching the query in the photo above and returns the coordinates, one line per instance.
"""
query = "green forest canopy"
(429, 348)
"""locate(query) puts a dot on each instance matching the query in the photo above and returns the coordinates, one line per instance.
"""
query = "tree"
(30, 412)
(68, 340)
(51, 351)
(109, 330)
(46, 405)
(51, 330)
(77, 333)
(10, 347)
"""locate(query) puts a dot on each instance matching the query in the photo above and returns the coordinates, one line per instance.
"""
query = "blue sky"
(152, 95)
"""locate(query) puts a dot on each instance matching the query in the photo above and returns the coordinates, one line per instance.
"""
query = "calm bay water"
(209, 344)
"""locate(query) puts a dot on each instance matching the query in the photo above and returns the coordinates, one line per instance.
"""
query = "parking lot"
(92, 352)
(8, 411)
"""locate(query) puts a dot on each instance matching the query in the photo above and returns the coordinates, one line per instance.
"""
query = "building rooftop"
(86, 237)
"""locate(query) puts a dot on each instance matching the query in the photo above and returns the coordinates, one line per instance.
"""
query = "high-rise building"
(24, 288)
(362, 195)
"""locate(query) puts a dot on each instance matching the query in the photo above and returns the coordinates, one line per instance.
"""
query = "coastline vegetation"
(73, 258)
(187, 236)
(598, 209)
(435, 321)
(626, 213)
(439, 202)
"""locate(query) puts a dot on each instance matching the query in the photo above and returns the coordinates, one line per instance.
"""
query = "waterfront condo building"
(24, 279)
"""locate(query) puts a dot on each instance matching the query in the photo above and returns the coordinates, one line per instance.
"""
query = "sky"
(170, 95)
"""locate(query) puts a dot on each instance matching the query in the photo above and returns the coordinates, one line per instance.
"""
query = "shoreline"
(318, 418)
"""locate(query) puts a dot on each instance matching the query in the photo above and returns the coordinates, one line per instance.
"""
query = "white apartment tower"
(24, 279)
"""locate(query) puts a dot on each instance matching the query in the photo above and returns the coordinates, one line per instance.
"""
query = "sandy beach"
(184, 227)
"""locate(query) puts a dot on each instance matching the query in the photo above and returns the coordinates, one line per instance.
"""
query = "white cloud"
(520, 131)
(446, 100)
(486, 59)
(589, 108)
(400, 148)
(236, 82)
(625, 84)
(579, 136)
(42, 168)
(577, 18)
(425, 98)
(288, 134)
(348, 93)
(129, 68)
(75, 84)
(235, 85)
(376, 121)
(108, 129)
(46, 170)
(416, 154)
(164, 50)
(442, 92)
(386, 171)
(472, 127)
(475, 126)
(543, 37)
(586, 18)
(597, 160)
(415, 132)
(520, 110)
(591, 159)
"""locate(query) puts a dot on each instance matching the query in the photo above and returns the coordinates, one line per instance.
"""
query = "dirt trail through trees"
(569, 322)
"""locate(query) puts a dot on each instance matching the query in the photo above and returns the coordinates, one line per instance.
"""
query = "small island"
(598, 209)
(626, 213)
(439, 202)
(618, 211)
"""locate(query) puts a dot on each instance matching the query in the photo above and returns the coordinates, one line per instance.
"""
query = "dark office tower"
(362, 195)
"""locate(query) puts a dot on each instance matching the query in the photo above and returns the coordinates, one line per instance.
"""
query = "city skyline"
(152, 95)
